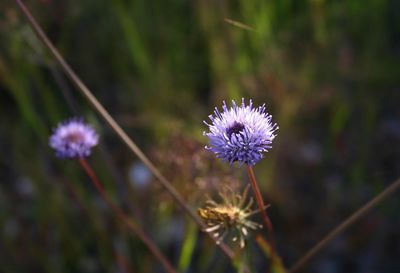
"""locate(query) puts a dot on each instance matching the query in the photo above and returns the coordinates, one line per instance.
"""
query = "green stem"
(125, 218)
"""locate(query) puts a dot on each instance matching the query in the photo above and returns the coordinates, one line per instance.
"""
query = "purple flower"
(73, 139)
(240, 133)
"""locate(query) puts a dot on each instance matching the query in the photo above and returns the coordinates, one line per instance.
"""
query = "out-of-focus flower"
(73, 139)
(139, 175)
(229, 216)
(240, 133)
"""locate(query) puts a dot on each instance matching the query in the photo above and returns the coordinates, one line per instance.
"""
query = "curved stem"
(125, 218)
(261, 206)
(113, 124)
(121, 260)
(345, 224)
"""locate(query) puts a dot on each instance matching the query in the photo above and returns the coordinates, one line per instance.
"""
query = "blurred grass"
(327, 70)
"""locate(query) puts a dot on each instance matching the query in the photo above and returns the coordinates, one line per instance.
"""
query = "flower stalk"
(125, 218)
(260, 204)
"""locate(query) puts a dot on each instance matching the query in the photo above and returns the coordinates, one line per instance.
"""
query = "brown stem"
(75, 196)
(261, 206)
(113, 124)
(121, 260)
(125, 218)
(123, 263)
(345, 224)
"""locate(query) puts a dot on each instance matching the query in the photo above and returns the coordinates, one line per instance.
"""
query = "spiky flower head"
(73, 139)
(240, 133)
(231, 215)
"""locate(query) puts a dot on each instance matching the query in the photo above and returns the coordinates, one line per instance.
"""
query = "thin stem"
(345, 224)
(123, 263)
(261, 206)
(121, 260)
(125, 218)
(276, 261)
(75, 196)
(113, 124)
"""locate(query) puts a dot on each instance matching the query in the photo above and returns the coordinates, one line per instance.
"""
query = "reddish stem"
(125, 218)
(261, 206)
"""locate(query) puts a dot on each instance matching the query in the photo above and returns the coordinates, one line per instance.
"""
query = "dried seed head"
(231, 215)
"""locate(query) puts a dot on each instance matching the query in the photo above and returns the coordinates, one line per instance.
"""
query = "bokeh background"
(328, 71)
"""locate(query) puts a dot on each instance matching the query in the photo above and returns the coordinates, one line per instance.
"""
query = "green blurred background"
(328, 71)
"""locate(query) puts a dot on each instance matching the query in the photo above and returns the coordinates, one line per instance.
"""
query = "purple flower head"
(73, 139)
(240, 133)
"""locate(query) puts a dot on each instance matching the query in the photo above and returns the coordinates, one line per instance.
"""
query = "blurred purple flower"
(240, 133)
(73, 139)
